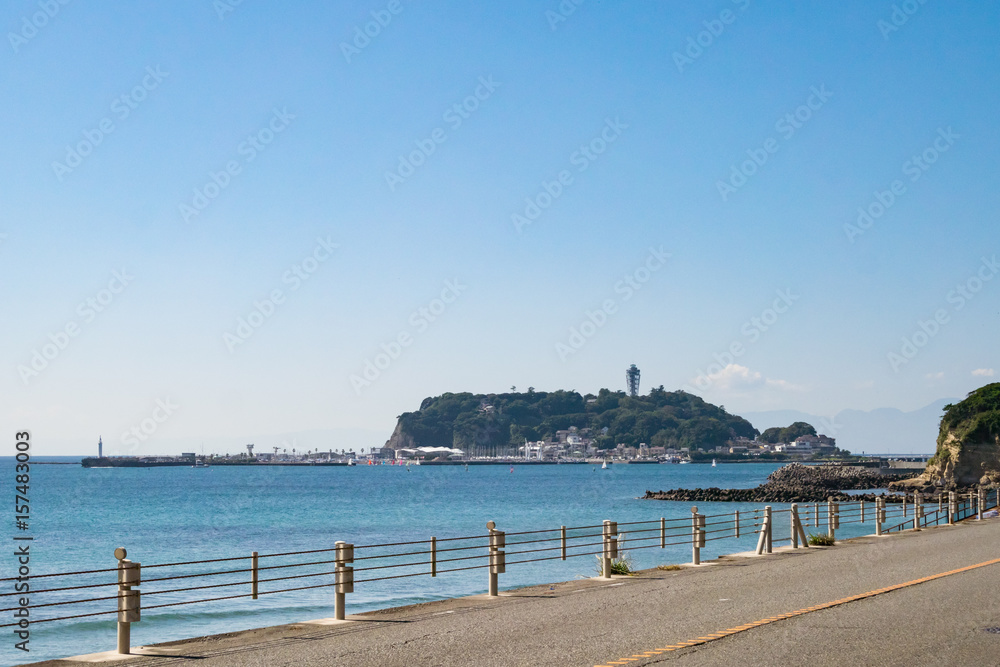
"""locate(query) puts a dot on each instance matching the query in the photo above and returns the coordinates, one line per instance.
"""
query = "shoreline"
(165, 462)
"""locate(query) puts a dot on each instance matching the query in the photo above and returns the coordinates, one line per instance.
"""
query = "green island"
(569, 424)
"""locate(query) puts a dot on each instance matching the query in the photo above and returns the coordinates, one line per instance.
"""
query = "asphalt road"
(946, 621)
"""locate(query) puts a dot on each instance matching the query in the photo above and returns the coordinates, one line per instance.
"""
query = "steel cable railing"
(492, 551)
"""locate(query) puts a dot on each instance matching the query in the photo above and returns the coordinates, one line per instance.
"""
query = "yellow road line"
(774, 619)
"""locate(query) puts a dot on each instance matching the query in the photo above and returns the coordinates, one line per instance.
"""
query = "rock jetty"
(793, 483)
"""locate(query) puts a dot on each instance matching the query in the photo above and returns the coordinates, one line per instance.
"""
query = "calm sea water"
(166, 515)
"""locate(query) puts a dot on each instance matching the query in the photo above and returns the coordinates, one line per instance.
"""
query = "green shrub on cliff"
(984, 400)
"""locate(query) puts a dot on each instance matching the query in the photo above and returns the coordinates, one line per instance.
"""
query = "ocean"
(165, 515)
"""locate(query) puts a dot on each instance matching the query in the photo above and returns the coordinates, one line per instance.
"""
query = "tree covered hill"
(661, 418)
(777, 434)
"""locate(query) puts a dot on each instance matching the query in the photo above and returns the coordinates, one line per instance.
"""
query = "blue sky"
(620, 100)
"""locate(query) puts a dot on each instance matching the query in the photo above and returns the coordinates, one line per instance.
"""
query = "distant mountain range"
(880, 431)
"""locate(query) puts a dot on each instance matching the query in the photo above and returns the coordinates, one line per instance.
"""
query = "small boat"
(713, 463)
(604, 465)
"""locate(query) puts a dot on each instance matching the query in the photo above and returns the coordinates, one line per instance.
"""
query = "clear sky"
(563, 188)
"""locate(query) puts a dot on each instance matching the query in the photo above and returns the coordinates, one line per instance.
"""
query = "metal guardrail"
(951, 508)
(338, 567)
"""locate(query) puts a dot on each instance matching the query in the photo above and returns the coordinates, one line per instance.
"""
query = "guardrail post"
(737, 524)
(764, 540)
(498, 559)
(862, 503)
(562, 538)
(128, 599)
(344, 578)
(879, 515)
(904, 505)
(816, 515)
(951, 508)
(610, 547)
(253, 575)
(695, 543)
(794, 516)
(769, 524)
(801, 529)
(434, 556)
(980, 501)
(918, 510)
(829, 518)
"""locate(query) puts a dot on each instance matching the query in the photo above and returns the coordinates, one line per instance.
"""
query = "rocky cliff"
(968, 444)
(400, 439)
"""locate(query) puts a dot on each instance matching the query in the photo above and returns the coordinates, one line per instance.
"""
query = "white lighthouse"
(100, 448)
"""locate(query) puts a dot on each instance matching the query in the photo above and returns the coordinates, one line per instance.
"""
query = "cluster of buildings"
(803, 447)
(571, 443)
(574, 443)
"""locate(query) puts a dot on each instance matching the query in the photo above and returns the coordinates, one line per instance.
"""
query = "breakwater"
(184, 462)
(794, 483)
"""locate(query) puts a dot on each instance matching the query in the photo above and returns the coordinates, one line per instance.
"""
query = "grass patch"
(821, 540)
(668, 568)
(622, 565)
